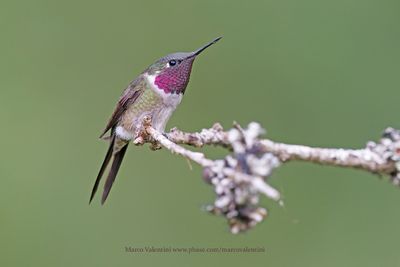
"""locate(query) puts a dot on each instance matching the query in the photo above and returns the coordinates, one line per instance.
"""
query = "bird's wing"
(129, 96)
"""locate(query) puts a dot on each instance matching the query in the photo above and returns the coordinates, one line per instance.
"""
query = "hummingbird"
(156, 92)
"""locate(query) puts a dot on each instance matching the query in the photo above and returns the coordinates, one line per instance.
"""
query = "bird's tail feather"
(118, 157)
(103, 167)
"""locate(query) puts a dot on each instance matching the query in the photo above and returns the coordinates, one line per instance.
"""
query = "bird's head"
(172, 72)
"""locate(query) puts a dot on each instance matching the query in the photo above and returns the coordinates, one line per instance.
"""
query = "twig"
(241, 176)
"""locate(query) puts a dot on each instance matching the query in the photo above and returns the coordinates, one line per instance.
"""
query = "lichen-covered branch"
(373, 158)
(241, 177)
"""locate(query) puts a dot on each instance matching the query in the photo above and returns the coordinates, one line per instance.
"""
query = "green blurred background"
(321, 73)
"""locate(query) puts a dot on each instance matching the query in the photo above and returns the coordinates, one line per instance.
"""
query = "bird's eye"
(172, 62)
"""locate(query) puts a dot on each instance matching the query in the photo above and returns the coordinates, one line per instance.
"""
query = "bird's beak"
(201, 49)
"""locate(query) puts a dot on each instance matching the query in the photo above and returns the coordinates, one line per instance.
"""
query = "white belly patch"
(123, 134)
